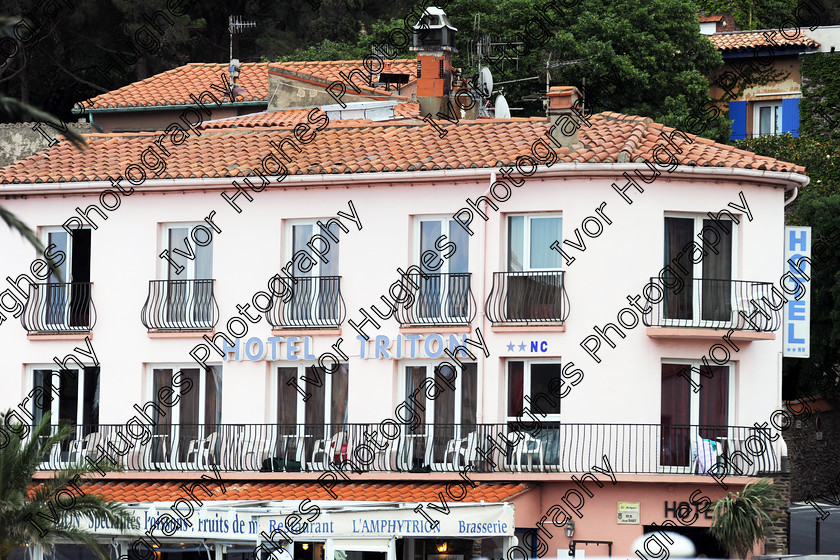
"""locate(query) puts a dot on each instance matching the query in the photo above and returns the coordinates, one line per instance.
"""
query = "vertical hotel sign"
(797, 313)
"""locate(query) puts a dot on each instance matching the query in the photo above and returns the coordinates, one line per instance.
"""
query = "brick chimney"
(434, 43)
(564, 106)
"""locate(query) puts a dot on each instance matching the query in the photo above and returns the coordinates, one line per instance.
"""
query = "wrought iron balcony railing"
(59, 307)
(438, 299)
(546, 447)
(715, 304)
(528, 297)
(180, 305)
(315, 302)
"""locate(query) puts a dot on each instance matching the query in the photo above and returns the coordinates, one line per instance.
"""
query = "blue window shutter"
(790, 116)
(738, 113)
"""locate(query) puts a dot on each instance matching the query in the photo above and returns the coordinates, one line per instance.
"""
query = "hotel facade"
(382, 338)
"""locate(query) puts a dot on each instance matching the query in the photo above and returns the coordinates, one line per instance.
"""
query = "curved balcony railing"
(438, 299)
(315, 302)
(59, 307)
(528, 297)
(180, 305)
(714, 304)
(513, 447)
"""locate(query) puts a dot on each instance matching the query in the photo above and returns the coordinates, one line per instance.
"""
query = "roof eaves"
(164, 107)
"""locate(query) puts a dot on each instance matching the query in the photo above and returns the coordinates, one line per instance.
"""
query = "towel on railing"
(707, 454)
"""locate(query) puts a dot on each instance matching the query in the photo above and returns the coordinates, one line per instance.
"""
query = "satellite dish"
(485, 81)
(502, 109)
(682, 547)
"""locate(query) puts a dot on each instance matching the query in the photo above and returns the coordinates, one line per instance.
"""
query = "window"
(443, 416)
(698, 293)
(187, 271)
(65, 303)
(531, 378)
(767, 118)
(310, 405)
(316, 299)
(442, 252)
(681, 408)
(188, 407)
(529, 242)
(78, 396)
(76, 405)
(534, 282)
(528, 384)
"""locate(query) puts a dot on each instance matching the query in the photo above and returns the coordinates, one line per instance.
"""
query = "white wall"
(624, 387)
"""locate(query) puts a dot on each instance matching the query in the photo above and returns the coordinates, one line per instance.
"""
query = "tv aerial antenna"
(236, 25)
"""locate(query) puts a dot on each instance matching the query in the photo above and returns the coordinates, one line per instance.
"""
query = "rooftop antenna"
(236, 25)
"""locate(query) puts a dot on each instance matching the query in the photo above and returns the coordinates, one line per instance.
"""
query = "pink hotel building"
(157, 268)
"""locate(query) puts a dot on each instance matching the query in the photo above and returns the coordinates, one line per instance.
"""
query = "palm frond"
(15, 224)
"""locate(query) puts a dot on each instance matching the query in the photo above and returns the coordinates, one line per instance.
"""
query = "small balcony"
(315, 303)
(528, 297)
(439, 300)
(714, 304)
(552, 447)
(180, 305)
(59, 308)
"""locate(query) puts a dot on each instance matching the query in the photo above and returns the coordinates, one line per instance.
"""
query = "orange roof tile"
(734, 40)
(362, 146)
(292, 117)
(707, 19)
(174, 87)
(128, 491)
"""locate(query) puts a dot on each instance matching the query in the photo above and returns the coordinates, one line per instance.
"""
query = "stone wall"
(814, 463)
(20, 140)
(777, 538)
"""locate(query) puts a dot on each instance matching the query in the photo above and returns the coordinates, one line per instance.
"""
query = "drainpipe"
(483, 316)
(792, 198)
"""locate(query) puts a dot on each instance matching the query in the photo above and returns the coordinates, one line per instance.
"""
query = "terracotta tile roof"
(361, 146)
(707, 19)
(292, 117)
(735, 40)
(128, 491)
(174, 87)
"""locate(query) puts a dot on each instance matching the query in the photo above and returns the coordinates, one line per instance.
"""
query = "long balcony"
(180, 305)
(438, 299)
(714, 304)
(315, 302)
(528, 297)
(59, 308)
(552, 447)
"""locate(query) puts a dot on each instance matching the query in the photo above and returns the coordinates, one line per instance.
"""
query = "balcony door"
(688, 417)
(66, 299)
(445, 418)
(191, 401)
(315, 296)
(698, 294)
(534, 277)
(309, 408)
(444, 296)
(77, 402)
(188, 290)
(528, 383)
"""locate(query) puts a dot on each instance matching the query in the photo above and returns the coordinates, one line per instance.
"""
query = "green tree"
(817, 206)
(639, 58)
(12, 109)
(741, 520)
(26, 507)
(754, 14)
